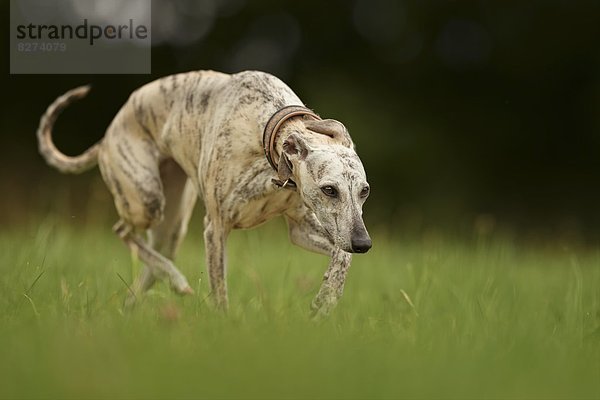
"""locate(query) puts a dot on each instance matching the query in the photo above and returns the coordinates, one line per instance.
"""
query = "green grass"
(429, 317)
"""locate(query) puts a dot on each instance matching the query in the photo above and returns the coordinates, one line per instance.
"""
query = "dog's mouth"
(332, 238)
(328, 233)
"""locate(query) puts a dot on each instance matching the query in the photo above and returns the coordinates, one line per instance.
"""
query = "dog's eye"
(329, 191)
(365, 191)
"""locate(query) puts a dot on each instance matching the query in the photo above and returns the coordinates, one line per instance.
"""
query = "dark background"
(467, 114)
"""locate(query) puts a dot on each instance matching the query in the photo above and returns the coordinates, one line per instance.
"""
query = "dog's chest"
(256, 211)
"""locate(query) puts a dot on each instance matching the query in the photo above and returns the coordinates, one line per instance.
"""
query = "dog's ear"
(295, 146)
(284, 169)
(332, 128)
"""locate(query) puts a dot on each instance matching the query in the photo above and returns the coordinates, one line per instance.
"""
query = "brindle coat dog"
(201, 134)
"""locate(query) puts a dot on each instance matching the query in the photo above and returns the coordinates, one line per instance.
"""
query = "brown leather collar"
(272, 129)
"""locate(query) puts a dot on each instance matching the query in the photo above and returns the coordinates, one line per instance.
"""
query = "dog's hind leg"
(180, 198)
(158, 265)
(129, 161)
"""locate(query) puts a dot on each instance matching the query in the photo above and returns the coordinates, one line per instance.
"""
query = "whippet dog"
(248, 147)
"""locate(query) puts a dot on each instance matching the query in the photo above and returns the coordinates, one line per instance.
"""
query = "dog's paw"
(187, 291)
(180, 285)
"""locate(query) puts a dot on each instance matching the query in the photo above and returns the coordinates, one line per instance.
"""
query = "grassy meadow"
(429, 316)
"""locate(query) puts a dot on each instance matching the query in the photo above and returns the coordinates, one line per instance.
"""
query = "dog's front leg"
(214, 241)
(333, 283)
(306, 231)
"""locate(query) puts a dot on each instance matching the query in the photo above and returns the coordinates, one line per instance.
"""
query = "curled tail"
(53, 156)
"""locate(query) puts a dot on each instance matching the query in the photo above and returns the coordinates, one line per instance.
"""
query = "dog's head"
(331, 180)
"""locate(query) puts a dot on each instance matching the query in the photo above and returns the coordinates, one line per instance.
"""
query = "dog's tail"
(53, 156)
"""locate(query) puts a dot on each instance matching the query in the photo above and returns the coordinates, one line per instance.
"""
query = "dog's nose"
(361, 245)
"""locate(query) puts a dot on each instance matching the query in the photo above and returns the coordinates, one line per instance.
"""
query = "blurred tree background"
(465, 113)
